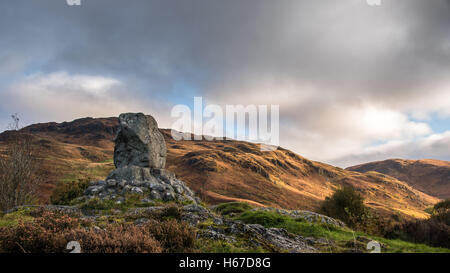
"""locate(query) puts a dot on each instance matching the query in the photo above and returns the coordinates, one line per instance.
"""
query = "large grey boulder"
(139, 142)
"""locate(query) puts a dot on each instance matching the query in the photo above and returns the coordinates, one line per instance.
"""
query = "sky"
(355, 83)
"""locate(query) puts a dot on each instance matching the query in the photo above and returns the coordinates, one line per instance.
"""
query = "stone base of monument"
(151, 184)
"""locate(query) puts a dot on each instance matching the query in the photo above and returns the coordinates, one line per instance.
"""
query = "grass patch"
(107, 161)
(131, 201)
(270, 219)
(13, 218)
(232, 207)
(82, 171)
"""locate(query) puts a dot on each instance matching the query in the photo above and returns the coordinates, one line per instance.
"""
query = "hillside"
(219, 170)
(427, 175)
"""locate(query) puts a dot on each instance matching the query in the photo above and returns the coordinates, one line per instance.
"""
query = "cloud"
(327, 127)
(435, 146)
(347, 76)
(61, 96)
(341, 130)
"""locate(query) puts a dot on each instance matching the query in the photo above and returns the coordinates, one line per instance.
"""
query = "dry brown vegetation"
(50, 232)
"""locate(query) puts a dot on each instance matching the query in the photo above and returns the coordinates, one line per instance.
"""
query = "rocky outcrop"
(225, 229)
(140, 157)
(139, 142)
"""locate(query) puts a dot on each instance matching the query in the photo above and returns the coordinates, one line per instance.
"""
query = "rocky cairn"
(140, 157)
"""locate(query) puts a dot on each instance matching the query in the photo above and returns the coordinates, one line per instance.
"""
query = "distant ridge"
(428, 175)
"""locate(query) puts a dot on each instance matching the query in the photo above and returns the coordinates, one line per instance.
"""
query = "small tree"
(441, 212)
(346, 205)
(18, 170)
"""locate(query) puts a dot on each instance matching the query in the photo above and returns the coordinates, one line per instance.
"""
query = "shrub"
(434, 231)
(19, 178)
(442, 206)
(346, 205)
(443, 218)
(67, 191)
(47, 233)
(171, 212)
(117, 239)
(50, 233)
(441, 212)
(377, 224)
(430, 232)
(174, 236)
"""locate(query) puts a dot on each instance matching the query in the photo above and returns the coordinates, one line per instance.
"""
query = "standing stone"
(140, 158)
(139, 142)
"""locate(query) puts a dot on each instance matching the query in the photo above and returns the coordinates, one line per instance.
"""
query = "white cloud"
(435, 146)
(60, 96)
(345, 130)
(325, 124)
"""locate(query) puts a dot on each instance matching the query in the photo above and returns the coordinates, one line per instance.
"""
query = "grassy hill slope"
(218, 170)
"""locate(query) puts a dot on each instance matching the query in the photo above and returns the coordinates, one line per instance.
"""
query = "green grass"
(13, 218)
(110, 160)
(131, 201)
(232, 207)
(297, 226)
(340, 236)
(83, 170)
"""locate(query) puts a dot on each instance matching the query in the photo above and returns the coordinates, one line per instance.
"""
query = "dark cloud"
(343, 45)
(342, 55)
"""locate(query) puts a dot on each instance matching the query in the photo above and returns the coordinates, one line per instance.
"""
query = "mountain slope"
(428, 175)
(220, 170)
